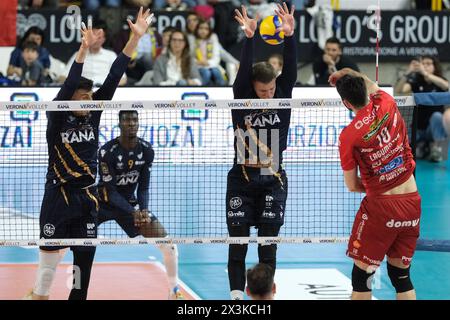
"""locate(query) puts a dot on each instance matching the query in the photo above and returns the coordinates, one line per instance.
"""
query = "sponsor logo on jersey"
(268, 214)
(269, 200)
(49, 229)
(107, 178)
(262, 120)
(140, 155)
(104, 168)
(375, 126)
(395, 163)
(78, 136)
(235, 202)
(138, 163)
(366, 150)
(127, 178)
(237, 214)
(402, 224)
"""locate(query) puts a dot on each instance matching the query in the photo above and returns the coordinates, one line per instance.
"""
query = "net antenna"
(377, 51)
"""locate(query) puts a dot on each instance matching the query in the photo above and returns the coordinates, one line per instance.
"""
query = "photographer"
(425, 75)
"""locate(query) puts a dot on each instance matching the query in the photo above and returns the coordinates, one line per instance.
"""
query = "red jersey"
(377, 142)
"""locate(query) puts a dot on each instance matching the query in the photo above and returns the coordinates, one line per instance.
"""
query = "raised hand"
(88, 38)
(143, 21)
(287, 19)
(247, 24)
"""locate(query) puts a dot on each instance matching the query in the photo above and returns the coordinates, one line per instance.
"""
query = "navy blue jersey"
(73, 141)
(268, 119)
(122, 172)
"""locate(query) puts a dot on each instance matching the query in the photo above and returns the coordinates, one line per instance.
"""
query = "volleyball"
(268, 30)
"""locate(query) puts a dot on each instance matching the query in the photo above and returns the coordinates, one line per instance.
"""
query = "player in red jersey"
(387, 223)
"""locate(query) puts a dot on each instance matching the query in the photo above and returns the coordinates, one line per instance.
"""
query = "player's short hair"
(123, 112)
(260, 279)
(30, 45)
(335, 41)
(85, 84)
(353, 89)
(263, 72)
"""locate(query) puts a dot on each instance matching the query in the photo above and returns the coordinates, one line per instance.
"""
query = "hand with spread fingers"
(287, 19)
(248, 25)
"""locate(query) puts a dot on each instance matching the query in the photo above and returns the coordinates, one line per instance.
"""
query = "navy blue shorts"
(124, 220)
(69, 213)
(253, 198)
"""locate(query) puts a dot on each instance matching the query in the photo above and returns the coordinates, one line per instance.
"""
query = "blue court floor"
(203, 267)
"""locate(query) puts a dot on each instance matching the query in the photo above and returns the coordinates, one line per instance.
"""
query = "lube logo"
(401, 224)
(77, 136)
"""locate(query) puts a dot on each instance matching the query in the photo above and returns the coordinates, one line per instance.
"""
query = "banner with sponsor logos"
(404, 34)
(183, 131)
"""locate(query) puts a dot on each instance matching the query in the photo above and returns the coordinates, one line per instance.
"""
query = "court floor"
(304, 271)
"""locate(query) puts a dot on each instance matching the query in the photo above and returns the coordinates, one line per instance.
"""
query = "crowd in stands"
(198, 56)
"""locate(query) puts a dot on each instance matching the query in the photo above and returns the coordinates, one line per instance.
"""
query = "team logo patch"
(49, 230)
(235, 202)
(365, 217)
(375, 126)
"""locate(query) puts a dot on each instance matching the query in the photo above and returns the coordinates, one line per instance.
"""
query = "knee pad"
(268, 254)
(46, 272)
(237, 252)
(168, 250)
(400, 278)
(361, 280)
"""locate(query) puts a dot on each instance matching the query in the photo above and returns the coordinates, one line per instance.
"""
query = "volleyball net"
(193, 144)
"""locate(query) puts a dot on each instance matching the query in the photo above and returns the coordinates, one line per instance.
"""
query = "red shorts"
(385, 225)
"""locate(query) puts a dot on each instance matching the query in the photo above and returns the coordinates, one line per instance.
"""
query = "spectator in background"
(425, 75)
(231, 63)
(206, 50)
(160, 4)
(95, 4)
(175, 5)
(166, 39)
(34, 34)
(276, 60)
(260, 282)
(176, 67)
(99, 60)
(30, 69)
(260, 8)
(192, 21)
(36, 4)
(331, 61)
(147, 78)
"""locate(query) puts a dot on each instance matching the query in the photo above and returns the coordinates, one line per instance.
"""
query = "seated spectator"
(176, 67)
(260, 8)
(260, 282)
(34, 34)
(148, 49)
(160, 4)
(36, 4)
(96, 4)
(31, 69)
(175, 5)
(206, 50)
(192, 21)
(166, 39)
(231, 63)
(147, 78)
(425, 75)
(331, 61)
(276, 60)
(99, 60)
